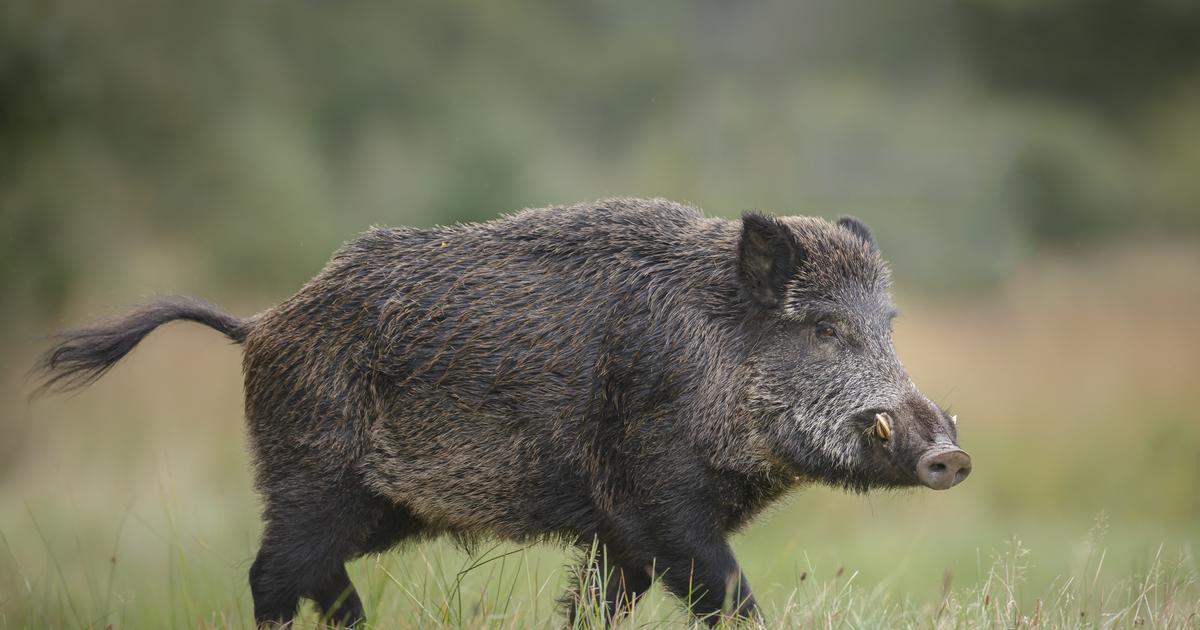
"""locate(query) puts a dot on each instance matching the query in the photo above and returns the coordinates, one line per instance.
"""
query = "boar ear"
(859, 229)
(767, 257)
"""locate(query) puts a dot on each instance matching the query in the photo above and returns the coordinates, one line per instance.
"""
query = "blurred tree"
(1052, 208)
(1110, 57)
(35, 262)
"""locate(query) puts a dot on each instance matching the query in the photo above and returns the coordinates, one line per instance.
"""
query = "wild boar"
(628, 372)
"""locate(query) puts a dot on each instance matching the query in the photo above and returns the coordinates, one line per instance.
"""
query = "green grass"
(198, 581)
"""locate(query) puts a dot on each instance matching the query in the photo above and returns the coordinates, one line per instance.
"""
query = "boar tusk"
(883, 427)
(954, 419)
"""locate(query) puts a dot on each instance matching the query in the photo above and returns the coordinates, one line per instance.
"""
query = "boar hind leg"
(337, 600)
(293, 564)
(306, 543)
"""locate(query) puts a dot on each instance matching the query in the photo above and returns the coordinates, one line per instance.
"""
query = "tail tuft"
(79, 357)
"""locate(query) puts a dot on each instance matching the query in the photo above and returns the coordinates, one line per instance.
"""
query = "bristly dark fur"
(629, 372)
(79, 357)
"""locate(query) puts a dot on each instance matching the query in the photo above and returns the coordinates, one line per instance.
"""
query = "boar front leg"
(706, 576)
(606, 580)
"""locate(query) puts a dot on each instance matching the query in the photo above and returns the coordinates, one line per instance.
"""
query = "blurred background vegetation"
(1031, 168)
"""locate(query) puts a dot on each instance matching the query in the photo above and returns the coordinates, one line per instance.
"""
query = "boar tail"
(80, 357)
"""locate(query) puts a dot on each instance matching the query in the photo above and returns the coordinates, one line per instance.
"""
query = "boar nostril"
(961, 474)
(942, 469)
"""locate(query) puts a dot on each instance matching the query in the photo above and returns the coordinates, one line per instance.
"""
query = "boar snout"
(943, 468)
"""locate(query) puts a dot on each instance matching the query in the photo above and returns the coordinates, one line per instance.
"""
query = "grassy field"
(1076, 384)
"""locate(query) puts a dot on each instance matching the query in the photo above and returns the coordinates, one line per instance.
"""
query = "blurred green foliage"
(249, 139)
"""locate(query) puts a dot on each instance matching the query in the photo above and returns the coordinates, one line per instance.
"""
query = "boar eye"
(825, 330)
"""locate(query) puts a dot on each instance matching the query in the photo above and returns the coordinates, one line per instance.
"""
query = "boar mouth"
(886, 466)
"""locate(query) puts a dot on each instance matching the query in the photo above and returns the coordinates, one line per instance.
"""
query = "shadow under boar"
(627, 372)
